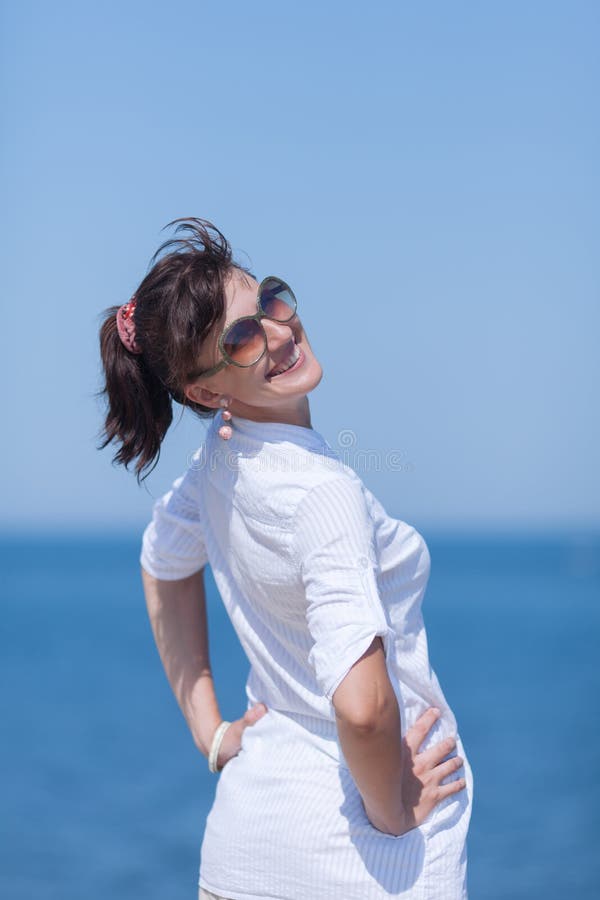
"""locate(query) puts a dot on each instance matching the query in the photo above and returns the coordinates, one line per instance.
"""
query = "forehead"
(241, 292)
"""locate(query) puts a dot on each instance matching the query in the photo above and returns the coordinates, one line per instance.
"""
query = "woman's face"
(253, 392)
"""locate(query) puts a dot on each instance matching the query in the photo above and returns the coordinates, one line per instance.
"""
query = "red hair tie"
(126, 326)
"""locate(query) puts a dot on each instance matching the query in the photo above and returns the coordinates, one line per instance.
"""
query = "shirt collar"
(273, 432)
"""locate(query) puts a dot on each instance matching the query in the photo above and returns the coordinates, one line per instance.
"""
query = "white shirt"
(310, 568)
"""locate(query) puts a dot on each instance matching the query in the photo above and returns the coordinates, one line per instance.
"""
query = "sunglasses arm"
(214, 369)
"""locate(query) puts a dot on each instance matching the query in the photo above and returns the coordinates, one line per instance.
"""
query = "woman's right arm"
(399, 786)
(335, 550)
(177, 613)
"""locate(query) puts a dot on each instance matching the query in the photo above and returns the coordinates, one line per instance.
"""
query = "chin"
(319, 375)
(313, 378)
(313, 372)
(313, 366)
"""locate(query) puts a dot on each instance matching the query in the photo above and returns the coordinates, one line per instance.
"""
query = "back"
(310, 569)
(257, 494)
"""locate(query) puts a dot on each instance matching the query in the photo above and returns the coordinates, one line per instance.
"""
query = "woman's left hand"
(232, 739)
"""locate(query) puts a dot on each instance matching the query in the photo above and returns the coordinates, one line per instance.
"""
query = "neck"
(293, 412)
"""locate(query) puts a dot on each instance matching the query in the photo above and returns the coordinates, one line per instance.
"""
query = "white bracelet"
(216, 744)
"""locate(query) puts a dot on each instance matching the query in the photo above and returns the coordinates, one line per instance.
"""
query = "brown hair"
(177, 303)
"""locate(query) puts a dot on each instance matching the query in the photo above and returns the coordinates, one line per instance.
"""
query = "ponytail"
(139, 406)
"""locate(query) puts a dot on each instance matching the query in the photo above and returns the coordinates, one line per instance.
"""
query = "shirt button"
(363, 562)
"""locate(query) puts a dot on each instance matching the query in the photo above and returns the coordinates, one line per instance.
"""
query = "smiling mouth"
(289, 362)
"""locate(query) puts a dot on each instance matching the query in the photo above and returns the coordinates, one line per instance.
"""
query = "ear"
(198, 394)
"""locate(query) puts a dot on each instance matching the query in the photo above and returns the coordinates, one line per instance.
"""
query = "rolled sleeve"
(173, 544)
(335, 548)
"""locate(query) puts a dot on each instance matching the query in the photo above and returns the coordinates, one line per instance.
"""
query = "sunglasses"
(244, 341)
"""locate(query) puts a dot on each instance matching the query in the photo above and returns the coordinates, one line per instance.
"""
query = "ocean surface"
(105, 795)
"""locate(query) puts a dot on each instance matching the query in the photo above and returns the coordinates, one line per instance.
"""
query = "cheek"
(299, 329)
(244, 383)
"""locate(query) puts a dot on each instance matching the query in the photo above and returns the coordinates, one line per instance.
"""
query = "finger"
(255, 713)
(416, 733)
(434, 755)
(448, 767)
(453, 787)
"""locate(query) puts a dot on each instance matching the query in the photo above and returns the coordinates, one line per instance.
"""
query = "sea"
(104, 793)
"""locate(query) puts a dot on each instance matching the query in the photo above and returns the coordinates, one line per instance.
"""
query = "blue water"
(104, 794)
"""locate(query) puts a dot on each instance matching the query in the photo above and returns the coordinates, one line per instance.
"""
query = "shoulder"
(272, 484)
(334, 510)
(339, 487)
(339, 483)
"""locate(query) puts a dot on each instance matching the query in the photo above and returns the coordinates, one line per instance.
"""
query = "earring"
(225, 431)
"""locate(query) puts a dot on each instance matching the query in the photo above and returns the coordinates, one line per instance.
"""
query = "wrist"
(215, 745)
(203, 728)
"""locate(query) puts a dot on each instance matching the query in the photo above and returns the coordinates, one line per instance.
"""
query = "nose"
(278, 333)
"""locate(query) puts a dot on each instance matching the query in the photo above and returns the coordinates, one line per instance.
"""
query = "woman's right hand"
(232, 739)
(422, 774)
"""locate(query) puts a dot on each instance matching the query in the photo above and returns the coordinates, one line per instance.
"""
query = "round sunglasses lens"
(245, 342)
(277, 300)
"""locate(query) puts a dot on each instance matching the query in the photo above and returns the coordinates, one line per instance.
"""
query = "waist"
(317, 726)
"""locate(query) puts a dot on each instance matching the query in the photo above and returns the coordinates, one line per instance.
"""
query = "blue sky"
(424, 175)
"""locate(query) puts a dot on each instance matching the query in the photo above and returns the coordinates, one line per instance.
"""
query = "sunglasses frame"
(258, 315)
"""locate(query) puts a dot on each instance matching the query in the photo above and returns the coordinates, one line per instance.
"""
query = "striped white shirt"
(310, 568)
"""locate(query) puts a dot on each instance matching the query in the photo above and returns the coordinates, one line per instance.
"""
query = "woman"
(343, 778)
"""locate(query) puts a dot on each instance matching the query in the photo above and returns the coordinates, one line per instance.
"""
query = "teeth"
(292, 360)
